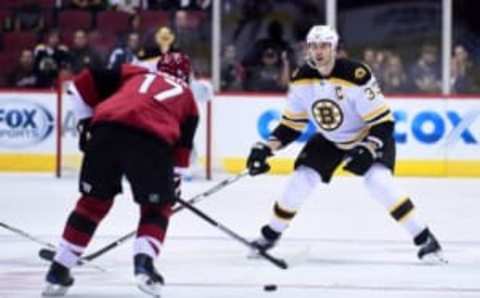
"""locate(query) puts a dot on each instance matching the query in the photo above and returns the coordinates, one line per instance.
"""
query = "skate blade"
(253, 254)
(52, 290)
(153, 290)
(435, 258)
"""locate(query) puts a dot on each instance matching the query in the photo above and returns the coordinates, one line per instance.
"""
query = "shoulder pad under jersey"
(303, 73)
(351, 71)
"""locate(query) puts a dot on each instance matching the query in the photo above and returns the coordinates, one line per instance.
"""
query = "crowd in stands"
(43, 40)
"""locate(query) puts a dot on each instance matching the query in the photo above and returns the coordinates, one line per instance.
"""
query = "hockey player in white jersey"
(354, 129)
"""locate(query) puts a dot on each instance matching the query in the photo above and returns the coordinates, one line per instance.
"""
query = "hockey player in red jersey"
(140, 125)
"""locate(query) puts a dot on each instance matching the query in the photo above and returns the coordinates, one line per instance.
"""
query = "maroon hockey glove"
(257, 159)
(83, 128)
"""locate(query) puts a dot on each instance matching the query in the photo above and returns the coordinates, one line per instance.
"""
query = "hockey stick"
(276, 261)
(26, 235)
(37, 240)
(48, 254)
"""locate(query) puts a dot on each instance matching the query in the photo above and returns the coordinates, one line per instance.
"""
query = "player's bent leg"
(298, 188)
(380, 183)
(153, 225)
(79, 230)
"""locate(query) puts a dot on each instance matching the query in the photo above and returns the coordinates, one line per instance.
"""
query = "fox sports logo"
(23, 123)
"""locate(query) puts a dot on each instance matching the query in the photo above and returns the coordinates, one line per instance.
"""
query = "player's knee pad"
(154, 220)
(299, 187)
(93, 208)
(380, 183)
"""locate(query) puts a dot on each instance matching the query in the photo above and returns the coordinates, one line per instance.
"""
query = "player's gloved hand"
(362, 156)
(257, 159)
(83, 128)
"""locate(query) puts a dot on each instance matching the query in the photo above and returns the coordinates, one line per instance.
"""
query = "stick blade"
(46, 254)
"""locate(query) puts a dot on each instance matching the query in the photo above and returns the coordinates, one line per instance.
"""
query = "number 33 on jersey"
(343, 106)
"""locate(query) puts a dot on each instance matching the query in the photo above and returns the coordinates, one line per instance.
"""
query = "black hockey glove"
(257, 159)
(363, 155)
(83, 128)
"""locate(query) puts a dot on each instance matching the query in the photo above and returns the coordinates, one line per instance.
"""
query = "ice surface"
(341, 244)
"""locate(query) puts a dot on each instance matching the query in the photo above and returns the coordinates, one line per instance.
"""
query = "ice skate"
(430, 251)
(265, 242)
(59, 280)
(148, 280)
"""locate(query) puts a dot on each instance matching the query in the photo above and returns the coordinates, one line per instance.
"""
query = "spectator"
(461, 76)
(300, 52)
(23, 75)
(93, 5)
(369, 57)
(253, 13)
(161, 4)
(271, 75)
(129, 53)
(426, 71)
(375, 59)
(82, 54)
(163, 42)
(128, 6)
(194, 4)
(50, 59)
(232, 71)
(394, 78)
(274, 40)
(29, 17)
(134, 23)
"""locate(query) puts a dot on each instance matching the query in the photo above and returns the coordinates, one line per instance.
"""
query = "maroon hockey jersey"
(155, 103)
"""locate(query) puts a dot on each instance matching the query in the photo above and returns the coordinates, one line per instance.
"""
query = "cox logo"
(428, 126)
(23, 123)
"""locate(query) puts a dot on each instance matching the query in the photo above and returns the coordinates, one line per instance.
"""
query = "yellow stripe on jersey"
(295, 115)
(387, 116)
(293, 124)
(306, 82)
(341, 82)
(294, 120)
(375, 112)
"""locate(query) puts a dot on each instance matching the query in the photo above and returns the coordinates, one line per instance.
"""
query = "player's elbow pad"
(285, 135)
(382, 131)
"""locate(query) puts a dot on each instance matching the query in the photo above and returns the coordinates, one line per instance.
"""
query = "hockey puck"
(270, 287)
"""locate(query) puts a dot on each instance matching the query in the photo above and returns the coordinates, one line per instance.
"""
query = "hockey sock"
(152, 228)
(381, 185)
(298, 188)
(80, 227)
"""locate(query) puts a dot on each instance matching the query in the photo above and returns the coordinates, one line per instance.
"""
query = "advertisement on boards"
(27, 123)
(428, 132)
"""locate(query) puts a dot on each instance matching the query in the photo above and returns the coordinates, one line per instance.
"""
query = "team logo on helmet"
(175, 64)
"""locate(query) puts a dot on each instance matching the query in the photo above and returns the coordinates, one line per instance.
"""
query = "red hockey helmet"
(176, 64)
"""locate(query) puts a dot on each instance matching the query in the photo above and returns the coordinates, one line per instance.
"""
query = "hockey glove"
(362, 156)
(257, 159)
(83, 128)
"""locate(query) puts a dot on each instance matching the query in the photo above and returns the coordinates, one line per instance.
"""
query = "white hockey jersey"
(343, 106)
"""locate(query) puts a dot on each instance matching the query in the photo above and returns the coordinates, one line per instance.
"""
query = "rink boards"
(435, 136)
